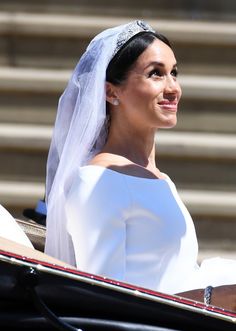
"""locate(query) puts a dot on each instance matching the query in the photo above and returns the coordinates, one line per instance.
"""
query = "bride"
(111, 210)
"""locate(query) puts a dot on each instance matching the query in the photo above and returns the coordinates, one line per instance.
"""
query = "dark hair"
(122, 62)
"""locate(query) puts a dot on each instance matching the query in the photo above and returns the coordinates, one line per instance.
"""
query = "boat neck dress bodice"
(132, 229)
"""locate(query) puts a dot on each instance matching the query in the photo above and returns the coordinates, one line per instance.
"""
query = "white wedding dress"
(132, 229)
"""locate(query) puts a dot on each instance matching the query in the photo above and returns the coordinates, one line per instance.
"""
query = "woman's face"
(150, 94)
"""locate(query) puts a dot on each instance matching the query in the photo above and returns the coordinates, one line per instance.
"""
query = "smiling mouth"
(168, 105)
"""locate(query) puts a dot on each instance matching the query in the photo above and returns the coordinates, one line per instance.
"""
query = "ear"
(111, 94)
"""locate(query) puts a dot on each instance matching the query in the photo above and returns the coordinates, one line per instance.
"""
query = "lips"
(169, 105)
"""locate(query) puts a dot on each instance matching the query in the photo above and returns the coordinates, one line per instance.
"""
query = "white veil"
(81, 128)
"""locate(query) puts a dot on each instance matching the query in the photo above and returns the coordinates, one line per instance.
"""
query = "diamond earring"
(115, 102)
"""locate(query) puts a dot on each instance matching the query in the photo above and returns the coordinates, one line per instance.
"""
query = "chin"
(169, 124)
(168, 121)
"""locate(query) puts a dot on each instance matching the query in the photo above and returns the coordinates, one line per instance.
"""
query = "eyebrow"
(160, 64)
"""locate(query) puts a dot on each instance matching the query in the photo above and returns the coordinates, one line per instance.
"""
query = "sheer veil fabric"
(81, 125)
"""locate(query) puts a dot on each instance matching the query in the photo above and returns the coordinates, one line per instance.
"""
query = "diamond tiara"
(131, 30)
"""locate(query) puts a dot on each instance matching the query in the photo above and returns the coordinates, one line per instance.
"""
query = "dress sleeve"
(97, 226)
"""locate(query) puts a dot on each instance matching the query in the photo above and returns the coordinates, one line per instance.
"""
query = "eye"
(174, 72)
(155, 73)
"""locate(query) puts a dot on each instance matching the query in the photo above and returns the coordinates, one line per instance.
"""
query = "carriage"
(38, 292)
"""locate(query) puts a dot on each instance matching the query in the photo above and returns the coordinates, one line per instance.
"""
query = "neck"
(135, 145)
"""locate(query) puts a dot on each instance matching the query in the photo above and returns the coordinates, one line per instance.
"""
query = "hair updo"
(126, 57)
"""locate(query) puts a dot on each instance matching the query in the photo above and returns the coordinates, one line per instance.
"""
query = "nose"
(172, 86)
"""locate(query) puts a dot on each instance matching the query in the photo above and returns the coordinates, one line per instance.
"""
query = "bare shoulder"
(122, 165)
(106, 160)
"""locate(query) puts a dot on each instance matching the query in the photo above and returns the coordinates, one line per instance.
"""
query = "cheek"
(150, 91)
(155, 88)
(141, 94)
(132, 96)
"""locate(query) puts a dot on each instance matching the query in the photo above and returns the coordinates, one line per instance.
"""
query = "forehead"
(157, 51)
